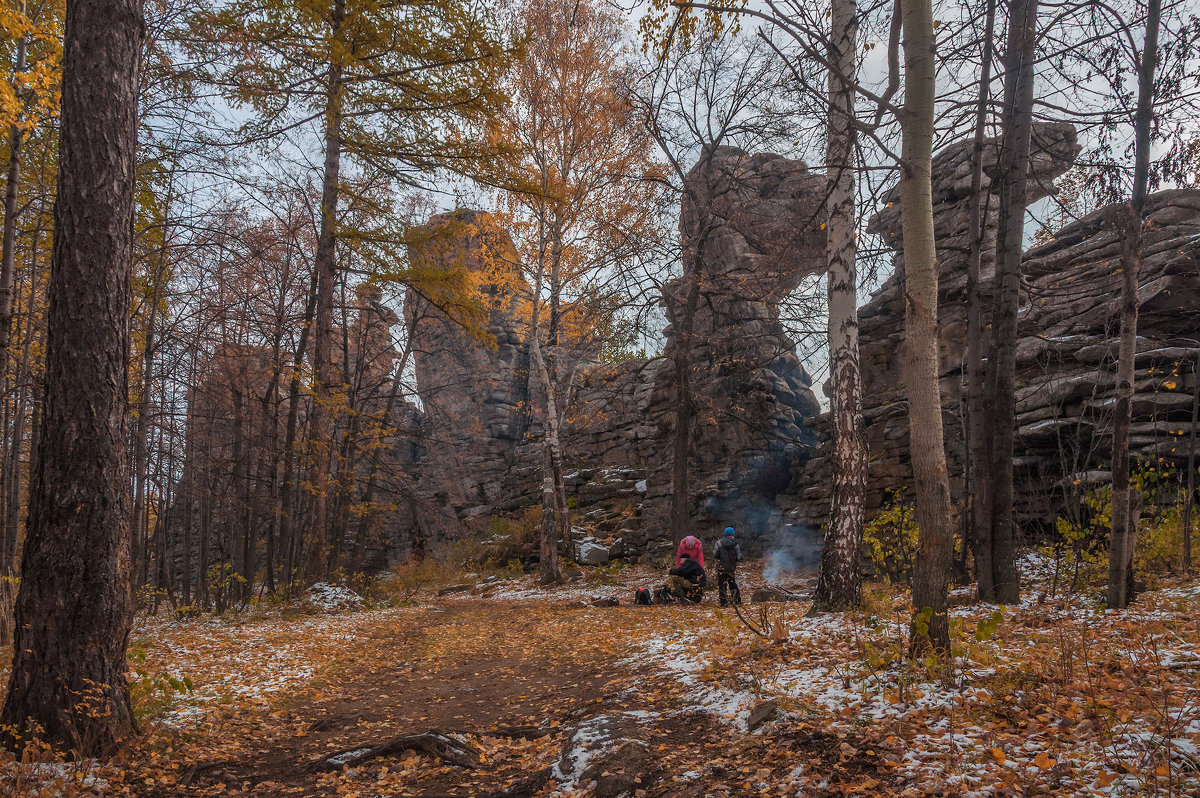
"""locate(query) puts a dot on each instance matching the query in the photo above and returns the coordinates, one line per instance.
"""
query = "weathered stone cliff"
(1068, 328)
(467, 368)
(752, 220)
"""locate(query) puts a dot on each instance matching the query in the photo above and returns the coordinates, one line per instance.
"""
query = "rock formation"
(1068, 329)
(468, 369)
(761, 237)
(753, 222)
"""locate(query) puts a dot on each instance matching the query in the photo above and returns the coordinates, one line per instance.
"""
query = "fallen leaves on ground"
(1054, 696)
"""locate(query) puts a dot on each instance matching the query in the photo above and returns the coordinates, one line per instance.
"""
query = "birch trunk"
(839, 584)
(550, 512)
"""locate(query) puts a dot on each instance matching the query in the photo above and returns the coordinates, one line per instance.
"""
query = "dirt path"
(472, 670)
(520, 685)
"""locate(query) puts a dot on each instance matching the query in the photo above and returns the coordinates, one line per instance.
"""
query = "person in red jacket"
(690, 547)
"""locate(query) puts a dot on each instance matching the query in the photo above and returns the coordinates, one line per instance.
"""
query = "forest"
(563, 398)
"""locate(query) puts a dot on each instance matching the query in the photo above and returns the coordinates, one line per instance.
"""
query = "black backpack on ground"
(642, 596)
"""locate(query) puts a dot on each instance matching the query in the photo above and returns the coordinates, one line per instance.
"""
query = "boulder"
(591, 553)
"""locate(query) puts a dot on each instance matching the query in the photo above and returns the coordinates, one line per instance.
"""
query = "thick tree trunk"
(1124, 532)
(935, 543)
(978, 434)
(1002, 359)
(73, 612)
(320, 431)
(839, 585)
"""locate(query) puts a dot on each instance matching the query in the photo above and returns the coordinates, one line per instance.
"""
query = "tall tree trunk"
(204, 543)
(1190, 503)
(24, 378)
(935, 542)
(839, 584)
(979, 445)
(140, 434)
(287, 511)
(685, 406)
(8, 247)
(320, 431)
(73, 612)
(7, 281)
(1124, 532)
(551, 381)
(352, 378)
(1120, 551)
(185, 496)
(548, 552)
(1002, 359)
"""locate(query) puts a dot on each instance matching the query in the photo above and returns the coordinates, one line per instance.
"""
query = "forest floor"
(537, 693)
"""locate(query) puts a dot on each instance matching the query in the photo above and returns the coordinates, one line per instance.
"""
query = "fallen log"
(431, 743)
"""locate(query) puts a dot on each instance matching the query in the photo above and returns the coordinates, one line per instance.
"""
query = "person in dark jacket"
(686, 582)
(728, 554)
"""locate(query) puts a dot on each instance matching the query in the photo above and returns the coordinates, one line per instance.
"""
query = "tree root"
(432, 743)
(526, 788)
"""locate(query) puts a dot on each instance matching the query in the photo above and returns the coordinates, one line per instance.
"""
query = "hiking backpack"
(641, 596)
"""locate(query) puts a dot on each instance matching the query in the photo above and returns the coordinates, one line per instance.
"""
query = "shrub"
(890, 540)
(405, 580)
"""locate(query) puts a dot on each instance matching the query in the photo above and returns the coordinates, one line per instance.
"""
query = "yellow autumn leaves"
(32, 39)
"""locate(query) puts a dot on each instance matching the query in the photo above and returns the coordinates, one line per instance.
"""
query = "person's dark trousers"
(725, 581)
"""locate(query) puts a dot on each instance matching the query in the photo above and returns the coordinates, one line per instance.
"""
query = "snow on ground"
(332, 598)
(850, 671)
(247, 661)
(676, 655)
(52, 779)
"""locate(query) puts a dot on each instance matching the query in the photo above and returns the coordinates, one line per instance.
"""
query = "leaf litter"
(1053, 697)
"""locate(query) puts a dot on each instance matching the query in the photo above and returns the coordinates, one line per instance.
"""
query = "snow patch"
(333, 598)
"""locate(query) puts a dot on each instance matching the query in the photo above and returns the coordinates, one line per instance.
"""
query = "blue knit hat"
(729, 532)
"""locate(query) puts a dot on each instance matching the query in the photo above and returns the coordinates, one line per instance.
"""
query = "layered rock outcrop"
(1068, 328)
(752, 225)
(752, 222)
